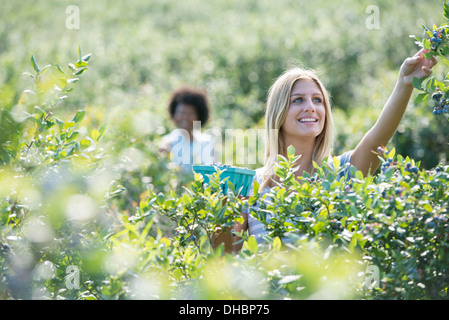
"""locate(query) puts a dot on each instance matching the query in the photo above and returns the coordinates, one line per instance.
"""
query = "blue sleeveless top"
(257, 228)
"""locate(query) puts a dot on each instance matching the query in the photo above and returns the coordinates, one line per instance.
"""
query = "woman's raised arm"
(386, 125)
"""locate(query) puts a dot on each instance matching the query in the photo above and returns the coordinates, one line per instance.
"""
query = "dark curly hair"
(192, 96)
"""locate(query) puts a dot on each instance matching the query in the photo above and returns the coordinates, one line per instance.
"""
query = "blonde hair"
(277, 106)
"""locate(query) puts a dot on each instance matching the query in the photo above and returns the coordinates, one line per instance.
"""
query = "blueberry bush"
(436, 41)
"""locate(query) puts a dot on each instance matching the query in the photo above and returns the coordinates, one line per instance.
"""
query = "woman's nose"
(309, 106)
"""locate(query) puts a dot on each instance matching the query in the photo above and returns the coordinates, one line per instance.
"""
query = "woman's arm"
(386, 125)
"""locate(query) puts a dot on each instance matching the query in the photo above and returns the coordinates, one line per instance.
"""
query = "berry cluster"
(383, 152)
(438, 36)
(388, 163)
(219, 164)
(335, 225)
(410, 168)
(441, 104)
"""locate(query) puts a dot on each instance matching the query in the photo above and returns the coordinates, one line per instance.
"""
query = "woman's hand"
(417, 66)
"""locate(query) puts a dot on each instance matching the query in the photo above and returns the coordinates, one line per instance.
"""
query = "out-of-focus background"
(75, 179)
(141, 50)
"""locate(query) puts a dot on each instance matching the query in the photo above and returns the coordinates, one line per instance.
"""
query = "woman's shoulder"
(175, 135)
(345, 161)
(345, 158)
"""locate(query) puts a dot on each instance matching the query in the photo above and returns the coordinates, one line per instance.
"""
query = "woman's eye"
(298, 100)
(317, 100)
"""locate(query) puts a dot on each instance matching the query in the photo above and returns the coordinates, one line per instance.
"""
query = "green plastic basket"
(241, 178)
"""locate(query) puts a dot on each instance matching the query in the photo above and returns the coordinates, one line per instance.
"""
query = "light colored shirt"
(185, 152)
(257, 228)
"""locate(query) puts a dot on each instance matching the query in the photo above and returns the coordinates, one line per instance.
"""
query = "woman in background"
(187, 145)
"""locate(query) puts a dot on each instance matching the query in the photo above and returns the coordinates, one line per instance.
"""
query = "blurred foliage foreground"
(75, 224)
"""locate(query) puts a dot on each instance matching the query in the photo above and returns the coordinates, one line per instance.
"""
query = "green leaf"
(73, 80)
(289, 279)
(73, 136)
(430, 54)
(256, 188)
(80, 71)
(422, 97)
(132, 235)
(318, 227)
(45, 68)
(417, 83)
(86, 57)
(445, 50)
(336, 163)
(79, 116)
(60, 69)
(446, 11)
(280, 171)
(290, 152)
(160, 198)
(277, 244)
(252, 244)
(95, 135)
(85, 143)
(432, 84)
(60, 123)
(356, 238)
(427, 207)
(80, 64)
(34, 64)
(177, 274)
(391, 153)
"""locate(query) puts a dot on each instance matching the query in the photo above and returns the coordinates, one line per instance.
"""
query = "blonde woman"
(298, 113)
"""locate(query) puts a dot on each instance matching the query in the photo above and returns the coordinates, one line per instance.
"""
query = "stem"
(194, 236)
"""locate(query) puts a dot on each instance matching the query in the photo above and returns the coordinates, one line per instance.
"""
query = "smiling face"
(306, 113)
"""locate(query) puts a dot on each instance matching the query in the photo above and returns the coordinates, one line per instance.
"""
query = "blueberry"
(434, 39)
(437, 96)
(437, 111)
